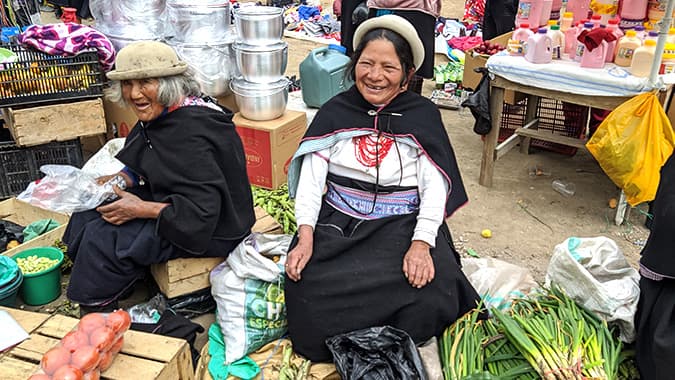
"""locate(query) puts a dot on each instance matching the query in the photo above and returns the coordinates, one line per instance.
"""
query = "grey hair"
(171, 89)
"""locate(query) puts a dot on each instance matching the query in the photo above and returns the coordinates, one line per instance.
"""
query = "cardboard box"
(470, 78)
(118, 118)
(23, 213)
(182, 276)
(269, 146)
(56, 122)
(229, 102)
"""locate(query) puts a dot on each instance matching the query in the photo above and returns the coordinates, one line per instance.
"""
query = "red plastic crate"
(564, 119)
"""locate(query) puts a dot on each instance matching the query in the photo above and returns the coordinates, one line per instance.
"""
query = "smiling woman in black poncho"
(374, 249)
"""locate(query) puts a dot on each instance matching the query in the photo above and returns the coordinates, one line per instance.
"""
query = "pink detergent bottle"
(529, 12)
(595, 59)
(632, 13)
(579, 52)
(545, 12)
(571, 40)
(516, 45)
(538, 49)
(556, 6)
(596, 20)
(613, 26)
(579, 8)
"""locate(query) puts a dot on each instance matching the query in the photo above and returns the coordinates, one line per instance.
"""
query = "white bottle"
(557, 41)
(643, 57)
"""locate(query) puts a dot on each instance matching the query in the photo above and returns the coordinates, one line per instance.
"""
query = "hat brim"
(176, 69)
(396, 24)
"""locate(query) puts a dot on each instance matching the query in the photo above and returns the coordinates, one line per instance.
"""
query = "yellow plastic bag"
(632, 144)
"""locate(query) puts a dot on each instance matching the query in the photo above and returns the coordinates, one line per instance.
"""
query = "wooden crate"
(182, 276)
(24, 213)
(143, 356)
(57, 122)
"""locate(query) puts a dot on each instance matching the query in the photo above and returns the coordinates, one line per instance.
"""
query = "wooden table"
(143, 356)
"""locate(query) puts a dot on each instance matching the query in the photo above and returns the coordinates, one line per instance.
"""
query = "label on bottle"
(524, 10)
(625, 53)
(580, 50)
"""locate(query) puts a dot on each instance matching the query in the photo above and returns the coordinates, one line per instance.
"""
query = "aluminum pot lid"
(257, 11)
(228, 39)
(242, 84)
(238, 45)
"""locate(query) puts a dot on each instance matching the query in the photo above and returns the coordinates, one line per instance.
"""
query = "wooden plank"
(550, 137)
(179, 269)
(57, 122)
(184, 286)
(16, 369)
(513, 140)
(23, 213)
(603, 102)
(487, 163)
(26, 319)
(530, 117)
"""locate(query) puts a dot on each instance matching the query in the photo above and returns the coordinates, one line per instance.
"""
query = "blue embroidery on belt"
(359, 203)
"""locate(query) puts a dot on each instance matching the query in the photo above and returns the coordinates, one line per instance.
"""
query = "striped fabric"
(359, 204)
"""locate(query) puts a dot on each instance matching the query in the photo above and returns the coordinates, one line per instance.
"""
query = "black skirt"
(355, 280)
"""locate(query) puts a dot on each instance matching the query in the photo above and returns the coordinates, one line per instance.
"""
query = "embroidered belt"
(359, 203)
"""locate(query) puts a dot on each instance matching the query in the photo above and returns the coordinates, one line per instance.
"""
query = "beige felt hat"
(399, 25)
(146, 59)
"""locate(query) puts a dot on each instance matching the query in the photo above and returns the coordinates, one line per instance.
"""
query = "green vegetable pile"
(33, 264)
(545, 337)
(277, 204)
(291, 371)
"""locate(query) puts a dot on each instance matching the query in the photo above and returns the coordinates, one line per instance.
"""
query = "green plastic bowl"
(9, 292)
(41, 287)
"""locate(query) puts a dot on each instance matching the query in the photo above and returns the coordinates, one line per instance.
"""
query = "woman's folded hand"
(418, 266)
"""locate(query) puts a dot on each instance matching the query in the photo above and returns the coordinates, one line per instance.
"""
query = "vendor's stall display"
(36, 77)
(262, 91)
(134, 19)
(198, 22)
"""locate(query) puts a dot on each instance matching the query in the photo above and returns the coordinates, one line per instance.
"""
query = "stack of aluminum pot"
(201, 35)
(261, 89)
(127, 21)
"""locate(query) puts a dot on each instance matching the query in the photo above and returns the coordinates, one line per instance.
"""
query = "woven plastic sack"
(249, 291)
(632, 144)
(595, 274)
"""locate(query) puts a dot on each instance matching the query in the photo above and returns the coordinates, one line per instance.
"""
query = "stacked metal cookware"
(201, 35)
(261, 89)
(126, 21)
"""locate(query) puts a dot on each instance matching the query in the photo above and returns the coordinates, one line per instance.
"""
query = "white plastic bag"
(249, 291)
(67, 189)
(104, 162)
(595, 273)
(497, 282)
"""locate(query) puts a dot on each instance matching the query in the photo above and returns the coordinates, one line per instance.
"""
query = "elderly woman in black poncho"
(187, 192)
(373, 249)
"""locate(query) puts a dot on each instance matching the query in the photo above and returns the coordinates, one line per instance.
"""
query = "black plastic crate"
(37, 77)
(20, 166)
(564, 119)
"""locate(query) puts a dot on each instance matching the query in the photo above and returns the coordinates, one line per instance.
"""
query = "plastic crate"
(37, 77)
(564, 119)
(20, 166)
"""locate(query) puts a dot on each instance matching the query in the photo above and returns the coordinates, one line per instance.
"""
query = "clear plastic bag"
(68, 189)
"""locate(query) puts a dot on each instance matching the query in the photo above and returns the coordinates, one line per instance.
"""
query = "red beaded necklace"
(370, 150)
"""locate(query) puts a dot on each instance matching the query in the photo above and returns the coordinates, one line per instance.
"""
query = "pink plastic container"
(516, 45)
(594, 59)
(539, 47)
(580, 9)
(545, 12)
(556, 5)
(529, 12)
(570, 41)
(633, 9)
(579, 51)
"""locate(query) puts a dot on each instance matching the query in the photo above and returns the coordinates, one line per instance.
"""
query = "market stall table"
(143, 356)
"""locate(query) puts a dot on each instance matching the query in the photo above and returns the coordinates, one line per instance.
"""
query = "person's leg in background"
(499, 17)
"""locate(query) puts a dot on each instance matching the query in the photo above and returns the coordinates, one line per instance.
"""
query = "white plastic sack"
(497, 282)
(249, 291)
(595, 273)
(67, 189)
(104, 162)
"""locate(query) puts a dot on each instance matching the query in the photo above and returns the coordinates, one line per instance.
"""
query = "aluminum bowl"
(261, 64)
(259, 25)
(256, 101)
(198, 23)
(212, 64)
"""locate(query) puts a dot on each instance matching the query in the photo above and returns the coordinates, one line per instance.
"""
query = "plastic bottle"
(556, 5)
(570, 41)
(529, 12)
(643, 57)
(633, 10)
(625, 48)
(551, 23)
(545, 12)
(557, 41)
(566, 188)
(595, 59)
(538, 49)
(613, 26)
(596, 20)
(567, 21)
(579, 50)
(606, 9)
(516, 45)
(322, 74)
(667, 63)
(652, 36)
(640, 32)
(671, 36)
(579, 9)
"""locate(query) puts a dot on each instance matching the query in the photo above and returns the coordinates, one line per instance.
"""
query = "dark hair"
(401, 46)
